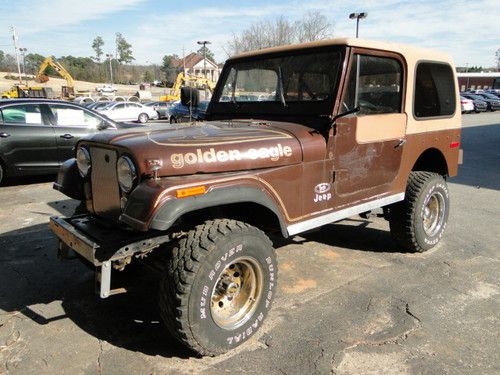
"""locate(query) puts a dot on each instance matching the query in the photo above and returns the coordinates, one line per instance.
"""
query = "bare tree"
(281, 31)
(497, 58)
(313, 26)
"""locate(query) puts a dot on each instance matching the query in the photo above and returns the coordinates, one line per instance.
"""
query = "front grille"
(105, 190)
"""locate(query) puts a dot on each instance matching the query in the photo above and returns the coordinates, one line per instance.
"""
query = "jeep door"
(27, 140)
(367, 145)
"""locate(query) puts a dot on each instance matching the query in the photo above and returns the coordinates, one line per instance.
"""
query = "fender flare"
(173, 209)
(69, 181)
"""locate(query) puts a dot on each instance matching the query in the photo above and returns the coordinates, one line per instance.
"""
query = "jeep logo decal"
(322, 192)
(322, 188)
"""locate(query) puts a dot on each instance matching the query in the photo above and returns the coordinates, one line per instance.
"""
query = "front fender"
(69, 181)
(172, 208)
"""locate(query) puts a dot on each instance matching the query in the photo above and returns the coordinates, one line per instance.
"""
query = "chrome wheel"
(236, 294)
(143, 118)
(434, 214)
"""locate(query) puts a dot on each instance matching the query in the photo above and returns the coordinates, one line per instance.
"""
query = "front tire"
(418, 222)
(219, 286)
(143, 118)
(2, 174)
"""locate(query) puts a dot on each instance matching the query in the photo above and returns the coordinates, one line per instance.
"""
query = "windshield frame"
(271, 109)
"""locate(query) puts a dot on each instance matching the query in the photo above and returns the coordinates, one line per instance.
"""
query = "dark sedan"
(163, 108)
(38, 135)
(493, 104)
(182, 113)
(492, 99)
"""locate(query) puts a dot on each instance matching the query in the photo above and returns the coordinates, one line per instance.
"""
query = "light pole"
(204, 43)
(110, 56)
(14, 39)
(357, 17)
(23, 54)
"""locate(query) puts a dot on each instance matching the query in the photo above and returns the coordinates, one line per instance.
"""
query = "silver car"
(129, 111)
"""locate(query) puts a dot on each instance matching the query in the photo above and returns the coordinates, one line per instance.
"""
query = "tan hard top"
(406, 50)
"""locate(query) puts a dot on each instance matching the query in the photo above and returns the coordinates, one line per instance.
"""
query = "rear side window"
(434, 90)
(25, 114)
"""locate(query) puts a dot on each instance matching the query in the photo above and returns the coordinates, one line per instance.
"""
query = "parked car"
(495, 92)
(216, 193)
(181, 112)
(467, 105)
(493, 100)
(479, 104)
(97, 105)
(128, 111)
(38, 135)
(491, 104)
(106, 90)
(163, 108)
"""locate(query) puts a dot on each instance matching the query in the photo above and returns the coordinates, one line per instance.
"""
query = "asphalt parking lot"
(348, 303)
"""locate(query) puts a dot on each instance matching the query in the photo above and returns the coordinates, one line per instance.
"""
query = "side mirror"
(190, 96)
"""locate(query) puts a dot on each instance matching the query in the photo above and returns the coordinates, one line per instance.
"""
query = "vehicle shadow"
(33, 282)
(132, 320)
(481, 162)
(353, 233)
(28, 180)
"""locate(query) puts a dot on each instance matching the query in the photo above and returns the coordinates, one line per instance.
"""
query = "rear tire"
(2, 174)
(219, 285)
(173, 120)
(418, 222)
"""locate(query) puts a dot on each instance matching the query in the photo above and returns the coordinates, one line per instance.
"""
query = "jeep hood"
(217, 146)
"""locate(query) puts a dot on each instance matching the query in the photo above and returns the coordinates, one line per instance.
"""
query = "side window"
(26, 114)
(434, 90)
(375, 85)
(70, 116)
(119, 106)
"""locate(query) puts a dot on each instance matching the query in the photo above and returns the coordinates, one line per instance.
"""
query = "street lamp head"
(203, 42)
(353, 16)
(363, 15)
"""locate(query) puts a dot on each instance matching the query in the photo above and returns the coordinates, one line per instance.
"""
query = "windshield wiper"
(280, 87)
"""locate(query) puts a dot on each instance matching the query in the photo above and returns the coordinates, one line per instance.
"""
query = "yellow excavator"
(68, 91)
(187, 80)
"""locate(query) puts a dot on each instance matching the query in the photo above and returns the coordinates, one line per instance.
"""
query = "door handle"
(4, 135)
(401, 143)
(66, 136)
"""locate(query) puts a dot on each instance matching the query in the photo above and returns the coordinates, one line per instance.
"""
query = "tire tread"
(187, 257)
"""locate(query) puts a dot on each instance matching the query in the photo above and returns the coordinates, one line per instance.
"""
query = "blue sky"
(468, 30)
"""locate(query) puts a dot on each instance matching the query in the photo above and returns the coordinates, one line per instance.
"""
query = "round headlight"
(126, 173)
(83, 161)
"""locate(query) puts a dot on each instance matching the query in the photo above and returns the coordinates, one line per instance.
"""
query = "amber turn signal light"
(189, 192)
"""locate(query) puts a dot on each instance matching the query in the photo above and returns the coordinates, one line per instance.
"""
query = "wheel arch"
(232, 203)
(432, 160)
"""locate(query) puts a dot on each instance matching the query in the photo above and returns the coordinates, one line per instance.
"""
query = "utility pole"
(110, 56)
(183, 60)
(204, 43)
(23, 53)
(14, 38)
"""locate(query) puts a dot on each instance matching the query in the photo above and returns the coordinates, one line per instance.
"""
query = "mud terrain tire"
(219, 285)
(418, 222)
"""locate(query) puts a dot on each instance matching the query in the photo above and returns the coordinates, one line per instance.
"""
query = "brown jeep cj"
(295, 137)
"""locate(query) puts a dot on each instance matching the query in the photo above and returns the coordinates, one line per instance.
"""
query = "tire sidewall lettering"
(208, 274)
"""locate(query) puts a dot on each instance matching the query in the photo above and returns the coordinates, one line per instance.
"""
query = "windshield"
(298, 83)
